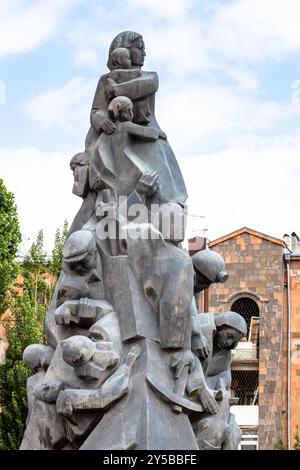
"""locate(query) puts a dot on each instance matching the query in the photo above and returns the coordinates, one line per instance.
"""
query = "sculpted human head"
(120, 109)
(80, 167)
(120, 58)
(79, 254)
(138, 52)
(132, 41)
(209, 267)
(227, 337)
(231, 328)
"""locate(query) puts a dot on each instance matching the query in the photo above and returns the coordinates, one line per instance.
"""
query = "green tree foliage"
(280, 444)
(57, 252)
(22, 329)
(10, 238)
(38, 284)
(297, 439)
(28, 304)
(36, 259)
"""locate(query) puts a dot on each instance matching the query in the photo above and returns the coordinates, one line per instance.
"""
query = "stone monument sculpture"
(129, 363)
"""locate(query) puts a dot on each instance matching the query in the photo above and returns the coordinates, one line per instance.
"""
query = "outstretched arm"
(138, 87)
(197, 384)
(147, 134)
(113, 388)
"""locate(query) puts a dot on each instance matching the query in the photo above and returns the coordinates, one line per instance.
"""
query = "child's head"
(80, 159)
(121, 109)
(120, 58)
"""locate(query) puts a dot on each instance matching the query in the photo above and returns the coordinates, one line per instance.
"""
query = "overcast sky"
(228, 101)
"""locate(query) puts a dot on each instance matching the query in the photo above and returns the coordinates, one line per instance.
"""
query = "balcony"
(246, 353)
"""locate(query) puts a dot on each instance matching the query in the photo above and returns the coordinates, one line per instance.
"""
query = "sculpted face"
(227, 338)
(126, 114)
(138, 53)
(82, 267)
(200, 281)
(120, 58)
(80, 167)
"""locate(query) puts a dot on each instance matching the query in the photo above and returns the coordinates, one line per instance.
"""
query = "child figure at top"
(120, 59)
(120, 167)
(121, 70)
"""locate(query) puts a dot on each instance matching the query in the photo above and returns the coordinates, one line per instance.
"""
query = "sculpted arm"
(174, 306)
(147, 134)
(99, 116)
(113, 388)
(139, 87)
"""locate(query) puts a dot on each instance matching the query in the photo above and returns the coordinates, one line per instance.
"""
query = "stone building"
(264, 287)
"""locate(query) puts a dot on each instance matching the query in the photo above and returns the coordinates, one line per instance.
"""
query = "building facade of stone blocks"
(258, 289)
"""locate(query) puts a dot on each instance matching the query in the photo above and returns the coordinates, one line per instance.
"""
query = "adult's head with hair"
(132, 41)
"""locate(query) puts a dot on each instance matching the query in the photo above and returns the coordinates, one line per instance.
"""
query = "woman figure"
(140, 87)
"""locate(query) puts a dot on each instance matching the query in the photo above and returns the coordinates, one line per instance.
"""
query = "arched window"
(246, 307)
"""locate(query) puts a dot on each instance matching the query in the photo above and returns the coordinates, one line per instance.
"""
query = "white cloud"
(252, 183)
(202, 116)
(244, 77)
(187, 39)
(26, 24)
(166, 9)
(67, 107)
(89, 43)
(42, 184)
(173, 36)
(199, 117)
(253, 31)
(255, 186)
(248, 171)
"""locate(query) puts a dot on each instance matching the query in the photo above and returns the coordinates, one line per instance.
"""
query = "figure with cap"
(80, 267)
(213, 337)
(219, 430)
(79, 254)
(80, 286)
(209, 268)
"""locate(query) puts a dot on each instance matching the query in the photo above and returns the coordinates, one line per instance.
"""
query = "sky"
(228, 100)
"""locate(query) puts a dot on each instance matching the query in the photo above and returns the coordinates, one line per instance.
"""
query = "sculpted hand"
(148, 183)
(199, 340)
(110, 90)
(48, 391)
(62, 314)
(202, 350)
(108, 126)
(64, 404)
(86, 309)
(207, 400)
(180, 360)
(132, 356)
